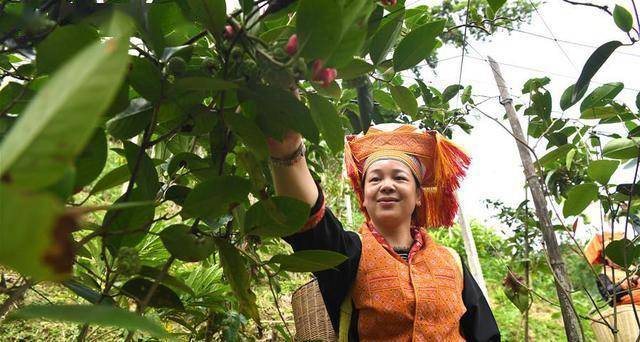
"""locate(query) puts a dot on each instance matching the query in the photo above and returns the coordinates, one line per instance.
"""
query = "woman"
(402, 284)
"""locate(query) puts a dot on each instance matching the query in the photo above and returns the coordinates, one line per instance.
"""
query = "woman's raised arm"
(292, 180)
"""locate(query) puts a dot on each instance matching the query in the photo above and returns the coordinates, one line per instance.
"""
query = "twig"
(15, 296)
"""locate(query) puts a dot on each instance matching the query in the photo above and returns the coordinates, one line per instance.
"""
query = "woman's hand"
(290, 143)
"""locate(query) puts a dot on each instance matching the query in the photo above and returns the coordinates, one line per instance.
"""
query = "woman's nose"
(387, 186)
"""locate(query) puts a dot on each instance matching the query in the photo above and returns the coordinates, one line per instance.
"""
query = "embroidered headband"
(437, 163)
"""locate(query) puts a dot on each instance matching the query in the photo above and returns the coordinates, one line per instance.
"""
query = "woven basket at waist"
(310, 314)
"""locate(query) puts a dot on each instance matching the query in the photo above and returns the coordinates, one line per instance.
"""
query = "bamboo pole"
(563, 286)
(472, 252)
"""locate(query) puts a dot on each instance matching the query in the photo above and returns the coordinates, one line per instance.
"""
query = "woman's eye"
(374, 179)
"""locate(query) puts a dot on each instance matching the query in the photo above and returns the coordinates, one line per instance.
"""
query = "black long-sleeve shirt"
(477, 324)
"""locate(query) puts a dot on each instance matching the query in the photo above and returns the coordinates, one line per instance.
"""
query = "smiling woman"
(399, 283)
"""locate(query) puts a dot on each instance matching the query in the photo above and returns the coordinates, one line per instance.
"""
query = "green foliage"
(623, 18)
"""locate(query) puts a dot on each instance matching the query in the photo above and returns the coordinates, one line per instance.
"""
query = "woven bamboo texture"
(627, 325)
(310, 315)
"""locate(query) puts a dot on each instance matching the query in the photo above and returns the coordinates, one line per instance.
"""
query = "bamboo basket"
(626, 323)
(310, 315)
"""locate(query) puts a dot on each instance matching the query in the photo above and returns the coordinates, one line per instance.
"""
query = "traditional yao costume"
(423, 294)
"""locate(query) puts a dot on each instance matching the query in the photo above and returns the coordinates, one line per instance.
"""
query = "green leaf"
(185, 245)
(326, 117)
(601, 95)
(621, 148)
(146, 79)
(417, 45)
(567, 100)
(578, 198)
(601, 170)
(496, 4)
(186, 160)
(604, 112)
(87, 293)
(163, 297)
(319, 27)
(146, 176)
(308, 260)
(466, 95)
(556, 154)
(541, 104)
(49, 55)
(249, 133)
(638, 101)
(131, 121)
(177, 194)
(59, 121)
(405, 99)
(25, 238)
(91, 161)
(357, 67)
(213, 198)
(384, 39)
(593, 64)
(274, 117)
(622, 18)
(135, 220)
(212, 14)
(619, 250)
(534, 84)
(237, 273)
(450, 92)
(201, 84)
(276, 217)
(113, 178)
(90, 314)
(354, 33)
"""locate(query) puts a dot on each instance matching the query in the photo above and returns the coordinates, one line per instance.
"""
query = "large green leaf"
(601, 170)
(237, 273)
(622, 250)
(276, 217)
(384, 39)
(59, 121)
(275, 117)
(308, 260)
(568, 100)
(146, 79)
(578, 198)
(25, 237)
(601, 95)
(326, 117)
(91, 295)
(417, 45)
(450, 92)
(319, 27)
(172, 282)
(496, 4)
(621, 148)
(130, 224)
(212, 198)
(357, 67)
(91, 161)
(146, 176)
(593, 64)
(50, 55)
(90, 314)
(603, 112)
(131, 121)
(163, 297)
(249, 133)
(405, 99)
(556, 154)
(185, 245)
(623, 18)
(212, 14)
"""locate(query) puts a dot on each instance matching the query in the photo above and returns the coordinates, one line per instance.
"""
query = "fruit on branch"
(321, 74)
(229, 32)
(292, 45)
(389, 2)
(128, 261)
(176, 66)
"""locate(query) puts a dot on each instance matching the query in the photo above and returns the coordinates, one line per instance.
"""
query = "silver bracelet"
(292, 159)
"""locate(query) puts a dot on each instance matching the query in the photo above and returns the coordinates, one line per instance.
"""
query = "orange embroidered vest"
(420, 300)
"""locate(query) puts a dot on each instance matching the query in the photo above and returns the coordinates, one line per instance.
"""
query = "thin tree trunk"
(563, 286)
(472, 252)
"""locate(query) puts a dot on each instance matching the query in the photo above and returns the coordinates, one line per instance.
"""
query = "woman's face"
(390, 191)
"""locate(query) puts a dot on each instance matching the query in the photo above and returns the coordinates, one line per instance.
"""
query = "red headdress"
(437, 162)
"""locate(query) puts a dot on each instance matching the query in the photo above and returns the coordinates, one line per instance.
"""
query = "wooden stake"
(472, 252)
(572, 325)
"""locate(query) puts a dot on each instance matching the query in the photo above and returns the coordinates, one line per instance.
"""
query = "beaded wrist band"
(290, 160)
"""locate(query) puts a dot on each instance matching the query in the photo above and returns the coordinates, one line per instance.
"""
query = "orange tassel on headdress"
(444, 165)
